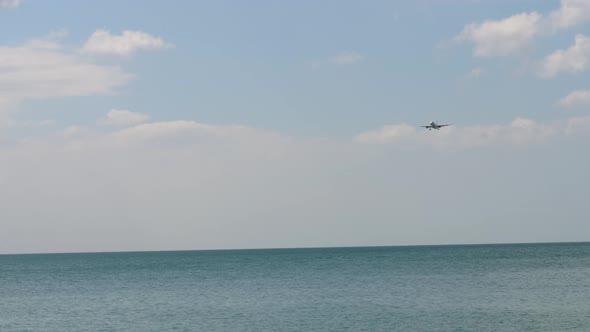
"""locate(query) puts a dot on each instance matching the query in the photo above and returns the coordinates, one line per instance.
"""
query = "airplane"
(434, 125)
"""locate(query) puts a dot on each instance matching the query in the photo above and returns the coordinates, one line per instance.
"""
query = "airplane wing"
(425, 126)
(444, 125)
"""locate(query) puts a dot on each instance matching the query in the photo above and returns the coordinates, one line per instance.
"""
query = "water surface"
(522, 287)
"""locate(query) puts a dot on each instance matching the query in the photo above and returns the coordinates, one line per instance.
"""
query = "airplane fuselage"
(434, 125)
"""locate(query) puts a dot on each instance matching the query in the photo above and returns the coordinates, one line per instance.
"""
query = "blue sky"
(183, 125)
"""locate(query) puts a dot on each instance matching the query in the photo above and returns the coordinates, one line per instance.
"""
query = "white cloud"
(103, 42)
(573, 60)
(503, 37)
(38, 72)
(570, 13)
(42, 44)
(156, 130)
(519, 131)
(162, 132)
(171, 134)
(117, 117)
(576, 98)
(346, 58)
(49, 42)
(512, 35)
(387, 134)
(182, 133)
(10, 3)
(75, 131)
(41, 69)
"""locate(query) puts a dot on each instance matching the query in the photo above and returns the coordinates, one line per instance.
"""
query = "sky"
(158, 125)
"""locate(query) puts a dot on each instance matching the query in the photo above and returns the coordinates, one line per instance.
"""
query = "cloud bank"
(117, 117)
(191, 185)
(519, 131)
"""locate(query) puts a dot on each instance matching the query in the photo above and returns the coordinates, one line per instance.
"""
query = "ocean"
(513, 287)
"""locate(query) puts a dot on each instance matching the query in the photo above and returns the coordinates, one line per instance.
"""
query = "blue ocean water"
(521, 287)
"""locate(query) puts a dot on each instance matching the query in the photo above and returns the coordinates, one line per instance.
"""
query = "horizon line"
(295, 248)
